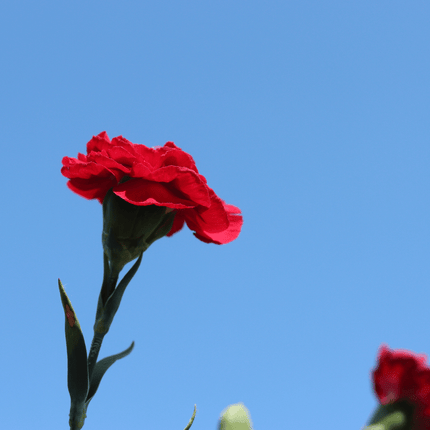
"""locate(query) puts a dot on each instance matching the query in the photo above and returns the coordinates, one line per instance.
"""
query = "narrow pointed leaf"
(100, 369)
(77, 370)
(191, 419)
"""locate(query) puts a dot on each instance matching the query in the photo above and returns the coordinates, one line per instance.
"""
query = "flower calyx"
(129, 230)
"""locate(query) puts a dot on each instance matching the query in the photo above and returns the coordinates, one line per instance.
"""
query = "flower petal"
(178, 223)
(186, 181)
(88, 179)
(177, 157)
(210, 220)
(141, 192)
(224, 237)
(117, 169)
(98, 143)
(231, 233)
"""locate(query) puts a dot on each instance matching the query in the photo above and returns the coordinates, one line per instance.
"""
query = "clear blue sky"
(311, 116)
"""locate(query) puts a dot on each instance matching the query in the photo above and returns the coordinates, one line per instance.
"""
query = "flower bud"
(128, 230)
(235, 417)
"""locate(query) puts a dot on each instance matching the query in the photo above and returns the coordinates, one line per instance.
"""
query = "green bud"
(128, 230)
(235, 417)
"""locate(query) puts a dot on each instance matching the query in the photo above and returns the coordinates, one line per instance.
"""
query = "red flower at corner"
(162, 176)
(403, 375)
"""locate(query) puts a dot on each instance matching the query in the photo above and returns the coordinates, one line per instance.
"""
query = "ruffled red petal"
(231, 233)
(98, 143)
(141, 192)
(177, 157)
(185, 181)
(117, 169)
(208, 220)
(178, 223)
(88, 179)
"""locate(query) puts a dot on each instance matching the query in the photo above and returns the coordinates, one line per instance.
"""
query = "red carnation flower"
(404, 376)
(161, 176)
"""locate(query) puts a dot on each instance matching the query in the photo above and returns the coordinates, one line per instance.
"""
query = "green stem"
(108, 286)
(96, 344)
(110, 279)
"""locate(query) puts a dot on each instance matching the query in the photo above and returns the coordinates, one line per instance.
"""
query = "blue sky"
(310, 116)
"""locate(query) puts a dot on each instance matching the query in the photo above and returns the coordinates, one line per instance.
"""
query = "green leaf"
(77, 369)
(191, 419)
(100, 369)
